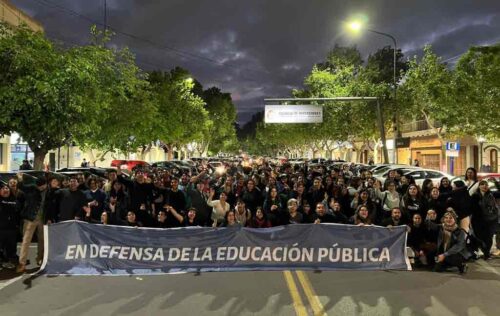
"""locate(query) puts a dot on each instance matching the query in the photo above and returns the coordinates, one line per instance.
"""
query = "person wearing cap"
(451, 247)
(32, 215)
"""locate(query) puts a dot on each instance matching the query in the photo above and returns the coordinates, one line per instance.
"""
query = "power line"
(138, 60)
(452, 58)
(172, 49)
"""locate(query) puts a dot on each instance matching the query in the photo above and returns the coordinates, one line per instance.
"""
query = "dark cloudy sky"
(264, 48)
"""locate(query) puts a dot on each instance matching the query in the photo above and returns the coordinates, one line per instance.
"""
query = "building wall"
(428, 152)
(12, 15)
(490, 156)
(4, 153)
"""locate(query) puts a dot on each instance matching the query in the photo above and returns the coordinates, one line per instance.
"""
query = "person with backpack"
(485, 217)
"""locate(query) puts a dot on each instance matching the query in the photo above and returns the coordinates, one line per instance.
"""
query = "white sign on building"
(293, 114)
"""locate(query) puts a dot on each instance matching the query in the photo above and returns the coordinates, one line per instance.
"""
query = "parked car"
(421, 174)
(384, 168)
(174, 168)
(45, 174)
(131, 165)
(183, 164)
(402, 170)
(100, 172)
(27, 178)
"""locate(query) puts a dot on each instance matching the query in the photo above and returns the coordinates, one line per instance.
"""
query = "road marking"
(300, 310)
(488, 267)
(316, 305)
(7, 283)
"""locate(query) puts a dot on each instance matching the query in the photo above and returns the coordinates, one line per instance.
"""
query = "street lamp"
(356, 27)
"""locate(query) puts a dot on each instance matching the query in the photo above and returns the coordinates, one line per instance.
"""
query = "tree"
(51, 96)
(221, 135)
(477, 84)
(429, 94)
(341, 57)
(182, 117)
(125, 122)
(380, 66)
(343, 75)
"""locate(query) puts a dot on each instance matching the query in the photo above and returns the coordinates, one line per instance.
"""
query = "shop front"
(428, 151)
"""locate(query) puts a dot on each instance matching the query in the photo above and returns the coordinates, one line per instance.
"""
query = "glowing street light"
(356, 26)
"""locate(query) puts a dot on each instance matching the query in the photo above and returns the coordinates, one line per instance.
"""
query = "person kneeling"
(452, 251)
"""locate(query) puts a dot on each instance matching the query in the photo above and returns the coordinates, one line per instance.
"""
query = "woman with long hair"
(413, 202)
(117, 202)
(471, 180)
(427, 186)
(363, 199)
(274, 208)
(436, 202)
(445, 185)
(361, 216)
(230, 220)
(219, 207)
(259, 220)
(389, 199)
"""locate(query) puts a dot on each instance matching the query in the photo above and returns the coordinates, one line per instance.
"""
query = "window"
(433, 174)
(417, 174)
(430, 161)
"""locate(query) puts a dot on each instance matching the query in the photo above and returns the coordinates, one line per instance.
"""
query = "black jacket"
(457, 243)
(461, 201)
(71, 204)
(486, 208)
(31, 199)
(9, 213)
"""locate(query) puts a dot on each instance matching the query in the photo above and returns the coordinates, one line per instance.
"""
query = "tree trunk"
(170, 152)
(144, 151)
(39, 158)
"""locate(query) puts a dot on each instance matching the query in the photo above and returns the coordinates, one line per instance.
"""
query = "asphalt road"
(258, 293)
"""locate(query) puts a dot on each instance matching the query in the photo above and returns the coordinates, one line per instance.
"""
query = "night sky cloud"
(262, 48)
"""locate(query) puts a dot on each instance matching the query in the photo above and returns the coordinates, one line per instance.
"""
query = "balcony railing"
(417, 126)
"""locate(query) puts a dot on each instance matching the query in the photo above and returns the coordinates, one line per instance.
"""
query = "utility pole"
(105, 16)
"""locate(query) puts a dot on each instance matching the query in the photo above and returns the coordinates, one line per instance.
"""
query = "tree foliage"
(477, 79)
(97, 97)
(51, 95)
(430, 94)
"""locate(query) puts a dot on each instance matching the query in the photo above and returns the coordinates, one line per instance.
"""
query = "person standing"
(72, 202)
(32, 215)
(198, 198)
(485, 217)
(9, 224)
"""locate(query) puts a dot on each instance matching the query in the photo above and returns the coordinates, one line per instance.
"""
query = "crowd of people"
(444, 221)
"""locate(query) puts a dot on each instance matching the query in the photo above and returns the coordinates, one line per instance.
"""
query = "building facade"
(451, 155)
